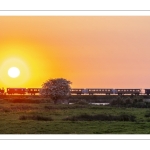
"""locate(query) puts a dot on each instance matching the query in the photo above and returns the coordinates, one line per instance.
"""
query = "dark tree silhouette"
(56, 89)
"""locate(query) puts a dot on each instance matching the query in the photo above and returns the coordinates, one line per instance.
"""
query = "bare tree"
(56, 89)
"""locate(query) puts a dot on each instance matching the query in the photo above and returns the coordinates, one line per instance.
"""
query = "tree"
(56, 89)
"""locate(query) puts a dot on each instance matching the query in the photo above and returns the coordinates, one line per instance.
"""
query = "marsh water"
(95, 103)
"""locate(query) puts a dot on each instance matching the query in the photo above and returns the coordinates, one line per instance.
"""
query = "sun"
(13, 72)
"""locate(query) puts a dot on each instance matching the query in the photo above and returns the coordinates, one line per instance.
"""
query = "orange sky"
(91, 52)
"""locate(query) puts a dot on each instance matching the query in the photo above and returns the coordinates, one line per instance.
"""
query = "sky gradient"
(91, 52)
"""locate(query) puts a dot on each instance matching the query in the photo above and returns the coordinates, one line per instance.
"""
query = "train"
(78, 91)
(20, 91)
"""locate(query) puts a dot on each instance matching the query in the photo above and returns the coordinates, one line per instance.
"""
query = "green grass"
(28, 116)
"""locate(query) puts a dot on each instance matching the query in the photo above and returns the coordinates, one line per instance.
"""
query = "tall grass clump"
(35, 117)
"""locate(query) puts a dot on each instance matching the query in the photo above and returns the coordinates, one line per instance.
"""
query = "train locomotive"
(76, 91)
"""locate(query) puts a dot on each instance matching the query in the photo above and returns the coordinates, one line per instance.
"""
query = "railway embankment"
(76, 98)
(105, 98)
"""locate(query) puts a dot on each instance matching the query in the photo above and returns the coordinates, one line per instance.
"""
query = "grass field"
(40, 116)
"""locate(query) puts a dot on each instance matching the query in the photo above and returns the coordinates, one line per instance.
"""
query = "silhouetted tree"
(56, 89)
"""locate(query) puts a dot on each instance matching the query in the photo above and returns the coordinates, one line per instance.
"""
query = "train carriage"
(77, 91)
(2, 91)
(127, 91)
(33, 91)
(16, 91)
(100, 91)
(147, 91)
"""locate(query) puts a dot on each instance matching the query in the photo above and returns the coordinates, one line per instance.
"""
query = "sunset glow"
(91, 52)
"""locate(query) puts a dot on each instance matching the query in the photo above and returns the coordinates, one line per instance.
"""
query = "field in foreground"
(40, 116)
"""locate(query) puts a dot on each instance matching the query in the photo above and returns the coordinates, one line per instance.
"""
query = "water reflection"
(95, 103)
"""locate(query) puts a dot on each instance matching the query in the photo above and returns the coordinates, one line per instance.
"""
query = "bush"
(147, 114)
(82, 102)
(140, 105)
(101, 117)
(117, 102)
(35, 117)
(129, 102)
(126, 117)
(147, 104)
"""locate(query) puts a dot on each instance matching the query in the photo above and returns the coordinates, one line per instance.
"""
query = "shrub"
(101, 117)
(127, 117)
(140, 105)
(147, 114)
(82, 102)
(35, 117)
(129, 102)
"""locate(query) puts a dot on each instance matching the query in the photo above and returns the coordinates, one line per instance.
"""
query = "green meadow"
(28, 115)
